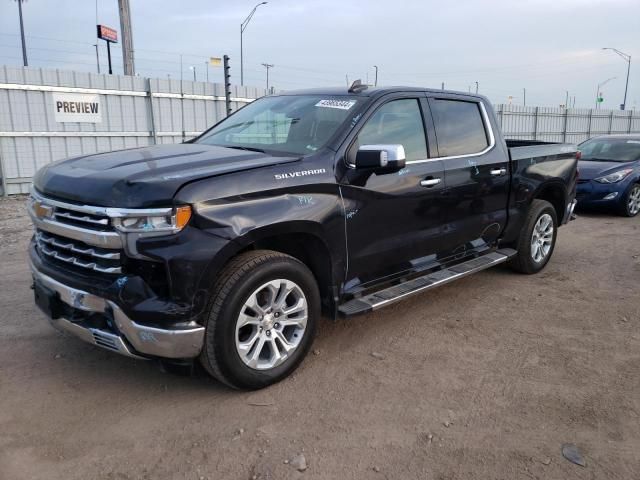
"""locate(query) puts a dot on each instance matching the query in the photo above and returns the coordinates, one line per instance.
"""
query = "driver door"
(394, 221)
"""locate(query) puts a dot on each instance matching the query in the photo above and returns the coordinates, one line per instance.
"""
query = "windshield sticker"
(340, 104)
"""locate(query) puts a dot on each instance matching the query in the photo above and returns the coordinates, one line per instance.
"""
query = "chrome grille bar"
(41, 237)
(52, 247)
(83, 218)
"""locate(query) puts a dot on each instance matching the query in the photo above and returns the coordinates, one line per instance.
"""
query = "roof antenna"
(357, 87)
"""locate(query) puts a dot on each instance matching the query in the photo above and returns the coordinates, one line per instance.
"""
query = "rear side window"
(459, 127)
(397, 122)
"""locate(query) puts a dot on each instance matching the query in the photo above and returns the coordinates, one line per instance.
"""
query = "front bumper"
(119, 333)
(593, 194)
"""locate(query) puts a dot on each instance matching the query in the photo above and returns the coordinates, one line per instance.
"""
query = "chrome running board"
(395, 293)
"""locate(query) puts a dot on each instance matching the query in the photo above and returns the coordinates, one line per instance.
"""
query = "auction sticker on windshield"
(341, 104)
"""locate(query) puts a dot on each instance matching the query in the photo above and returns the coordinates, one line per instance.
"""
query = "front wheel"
(631, 205)
(262, 320)
(537, 238)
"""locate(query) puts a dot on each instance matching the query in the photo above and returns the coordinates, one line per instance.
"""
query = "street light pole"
(476, 87)
(193, 69)
(268, 66)
(376, 81)
(243, 27)
(600, 85)
(24, 46)
(627, 58)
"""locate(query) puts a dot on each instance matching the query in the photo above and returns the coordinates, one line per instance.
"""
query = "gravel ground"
(481, 379)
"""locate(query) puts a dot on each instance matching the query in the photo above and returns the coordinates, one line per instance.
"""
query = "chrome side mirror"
(386, 157)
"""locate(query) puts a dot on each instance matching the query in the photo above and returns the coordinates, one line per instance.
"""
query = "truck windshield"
(610, 149)
(290, 124)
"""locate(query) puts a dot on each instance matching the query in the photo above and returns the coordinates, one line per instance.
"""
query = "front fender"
(250, 221)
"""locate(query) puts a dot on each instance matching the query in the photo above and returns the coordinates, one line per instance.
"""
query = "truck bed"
(523, 149)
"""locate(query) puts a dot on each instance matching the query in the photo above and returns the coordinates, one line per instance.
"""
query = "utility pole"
(442, 85)
(127, 37)
(24, 45)
(627, 58)
(97, 57)
(566, 99)
(243, 27)
(268, 66)
(524, 97)
(476, 87)
(193, 69)
(376, 81)
(206, 64)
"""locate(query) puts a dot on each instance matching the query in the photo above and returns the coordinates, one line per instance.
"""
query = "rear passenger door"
(476, 174)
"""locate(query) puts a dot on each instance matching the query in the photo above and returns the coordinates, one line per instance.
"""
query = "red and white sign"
(107, 33)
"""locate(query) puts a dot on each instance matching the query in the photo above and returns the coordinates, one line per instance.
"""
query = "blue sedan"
(610, 173)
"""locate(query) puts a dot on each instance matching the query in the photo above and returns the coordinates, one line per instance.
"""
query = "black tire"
(524, 262)
(238, 280)
(625, 207)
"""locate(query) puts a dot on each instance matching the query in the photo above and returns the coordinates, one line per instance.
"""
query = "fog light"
(611, 196)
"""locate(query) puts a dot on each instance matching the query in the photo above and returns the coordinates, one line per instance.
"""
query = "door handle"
(498, 172)
(430, 182)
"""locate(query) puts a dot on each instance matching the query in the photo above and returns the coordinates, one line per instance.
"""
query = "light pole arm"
(243, 27)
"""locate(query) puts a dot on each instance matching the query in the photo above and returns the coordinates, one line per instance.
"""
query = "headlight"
(615, 177)
(158, 220)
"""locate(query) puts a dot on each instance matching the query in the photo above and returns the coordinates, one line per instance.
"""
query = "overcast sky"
(545, 46)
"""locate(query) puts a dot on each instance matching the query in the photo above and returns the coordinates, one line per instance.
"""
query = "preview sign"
(75, 107)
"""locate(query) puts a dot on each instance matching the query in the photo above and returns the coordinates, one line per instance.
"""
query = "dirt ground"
(485, 378)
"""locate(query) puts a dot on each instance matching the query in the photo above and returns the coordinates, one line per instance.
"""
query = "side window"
(460, 129)
(397, 122)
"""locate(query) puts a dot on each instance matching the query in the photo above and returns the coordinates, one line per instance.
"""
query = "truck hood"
(593, 169)
(143, 177)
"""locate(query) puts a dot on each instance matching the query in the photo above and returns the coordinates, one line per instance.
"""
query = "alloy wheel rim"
(634, 200)
(271, 324)
(542, 238)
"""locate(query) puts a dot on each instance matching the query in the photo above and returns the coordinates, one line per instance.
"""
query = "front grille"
(78, 254)
(82, 219)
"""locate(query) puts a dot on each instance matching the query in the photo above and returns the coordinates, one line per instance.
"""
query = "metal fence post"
(589, 124)
(610, 121)
(5, 193)
(535, 124)
(630, 121)
(566, 124)
(152, 118)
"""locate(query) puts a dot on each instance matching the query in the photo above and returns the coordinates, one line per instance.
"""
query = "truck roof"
(372, 91)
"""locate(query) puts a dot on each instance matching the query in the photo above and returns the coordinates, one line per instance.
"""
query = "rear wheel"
(537, 238)
(631, 203)
(262, 320)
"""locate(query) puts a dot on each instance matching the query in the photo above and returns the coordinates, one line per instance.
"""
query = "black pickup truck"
(228, 248)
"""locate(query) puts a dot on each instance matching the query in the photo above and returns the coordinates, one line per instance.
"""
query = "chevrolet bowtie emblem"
(41, 210)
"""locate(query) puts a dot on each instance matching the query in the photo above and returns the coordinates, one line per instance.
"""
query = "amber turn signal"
(183, 215)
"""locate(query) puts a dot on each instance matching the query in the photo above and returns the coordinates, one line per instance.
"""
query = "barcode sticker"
(340, 104)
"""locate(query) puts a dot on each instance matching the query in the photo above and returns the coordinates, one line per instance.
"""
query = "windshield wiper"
(597, 159)
(241, 147)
